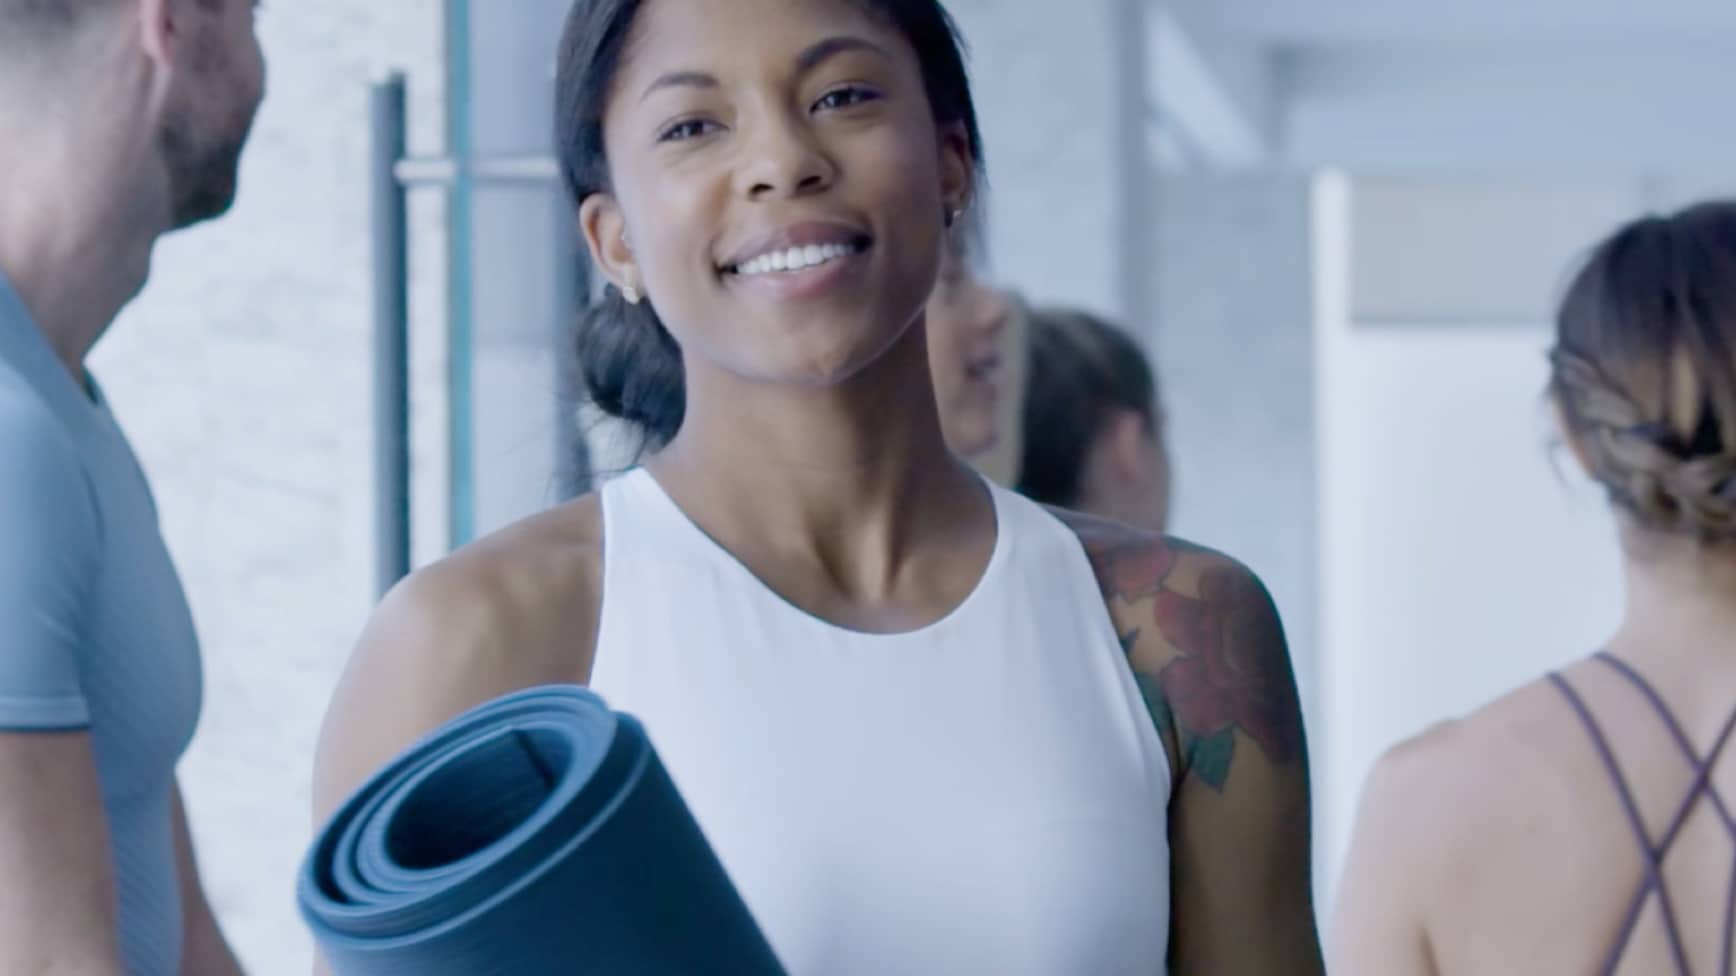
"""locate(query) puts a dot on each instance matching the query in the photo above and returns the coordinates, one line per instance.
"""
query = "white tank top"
(984, 795)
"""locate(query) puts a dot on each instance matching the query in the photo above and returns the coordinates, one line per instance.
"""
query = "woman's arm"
(506, 615)
(1208, 651)
(430, 652)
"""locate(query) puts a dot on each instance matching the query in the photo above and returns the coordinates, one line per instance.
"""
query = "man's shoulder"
(48, 496)
(35, 446)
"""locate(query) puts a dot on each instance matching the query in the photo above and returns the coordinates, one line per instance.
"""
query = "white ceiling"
(1639, 86)
(1292, 22)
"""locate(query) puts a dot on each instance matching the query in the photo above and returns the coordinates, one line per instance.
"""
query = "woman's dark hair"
(1082, 372)
(1644, 370)
(629, 363)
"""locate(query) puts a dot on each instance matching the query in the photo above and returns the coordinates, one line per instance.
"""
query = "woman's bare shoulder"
(512, 610)
(1203, 637)
(514, 601)
(1482, 784)
(1525, 736)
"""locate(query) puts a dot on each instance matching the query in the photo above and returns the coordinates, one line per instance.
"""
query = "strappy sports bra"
(1654, 852)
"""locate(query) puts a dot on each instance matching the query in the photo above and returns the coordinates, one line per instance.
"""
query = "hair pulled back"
(1644, 370)
(629, 364)
(1082, 372)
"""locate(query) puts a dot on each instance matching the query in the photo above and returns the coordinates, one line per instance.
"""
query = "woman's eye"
(845, 97)
(690, 129)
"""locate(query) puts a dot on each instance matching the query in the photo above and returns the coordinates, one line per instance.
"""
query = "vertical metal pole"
(386, 110)
(460, 275)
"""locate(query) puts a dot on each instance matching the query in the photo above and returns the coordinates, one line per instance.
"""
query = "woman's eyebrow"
(810, 58)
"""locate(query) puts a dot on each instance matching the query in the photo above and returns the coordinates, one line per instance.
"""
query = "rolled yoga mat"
(537, 834)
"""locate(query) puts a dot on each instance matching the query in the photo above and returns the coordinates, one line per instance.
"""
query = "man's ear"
(605, 233)
(160, 31)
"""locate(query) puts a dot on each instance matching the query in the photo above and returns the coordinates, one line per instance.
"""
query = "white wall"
(1488, 251)
(1619, 103)
(1456, 560)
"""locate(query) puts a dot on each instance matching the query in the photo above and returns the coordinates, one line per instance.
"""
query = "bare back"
(1507, 843)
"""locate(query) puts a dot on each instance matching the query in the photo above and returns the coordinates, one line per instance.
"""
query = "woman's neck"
(1681, 598)
(852, 476)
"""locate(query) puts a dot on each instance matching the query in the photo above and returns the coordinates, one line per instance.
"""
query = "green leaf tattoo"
(1207, 757)
(1152, 692)
(1210, 757)
(1226, 671)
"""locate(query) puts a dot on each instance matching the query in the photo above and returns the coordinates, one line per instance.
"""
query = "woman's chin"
(974, 441)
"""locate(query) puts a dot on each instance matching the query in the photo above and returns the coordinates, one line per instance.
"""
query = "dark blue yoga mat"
(537, 835)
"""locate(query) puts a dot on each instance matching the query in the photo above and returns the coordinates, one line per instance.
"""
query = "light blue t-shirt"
(95, 632)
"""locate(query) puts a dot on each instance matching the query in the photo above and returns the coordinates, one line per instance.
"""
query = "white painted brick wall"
(242, 374)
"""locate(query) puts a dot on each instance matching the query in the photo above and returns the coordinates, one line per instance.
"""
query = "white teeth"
(796, 258)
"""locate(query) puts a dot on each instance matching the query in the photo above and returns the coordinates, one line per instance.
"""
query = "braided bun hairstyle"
(1644, 370)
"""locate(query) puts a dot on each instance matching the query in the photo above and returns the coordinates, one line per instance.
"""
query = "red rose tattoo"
(1133, 571)
(1230, 670)
(1227, 676)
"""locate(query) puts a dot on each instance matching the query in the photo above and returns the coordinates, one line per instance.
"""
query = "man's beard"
(203, 167)
(202, 138)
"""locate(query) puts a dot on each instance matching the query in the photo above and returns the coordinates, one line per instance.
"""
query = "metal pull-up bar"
(392, 174)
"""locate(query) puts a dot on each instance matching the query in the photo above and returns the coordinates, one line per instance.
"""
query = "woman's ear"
(605, 233)
(957, 168)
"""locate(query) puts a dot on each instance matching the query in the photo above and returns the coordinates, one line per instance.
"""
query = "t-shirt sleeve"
(49, 548)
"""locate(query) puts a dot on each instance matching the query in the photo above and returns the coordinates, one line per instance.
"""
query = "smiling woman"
(928, 725)
(688, 121)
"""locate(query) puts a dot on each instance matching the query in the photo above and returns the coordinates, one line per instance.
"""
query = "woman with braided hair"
(1587, 822)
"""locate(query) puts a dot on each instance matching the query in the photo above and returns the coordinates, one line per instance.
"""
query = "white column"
(1062, 105)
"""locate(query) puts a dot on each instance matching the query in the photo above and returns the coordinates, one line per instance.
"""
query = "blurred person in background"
(1093, 424)
(120, 121)
(1582, 823)
(975, 334)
